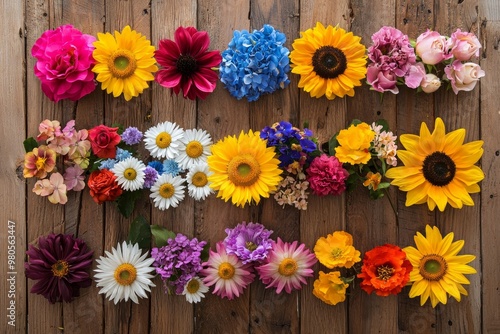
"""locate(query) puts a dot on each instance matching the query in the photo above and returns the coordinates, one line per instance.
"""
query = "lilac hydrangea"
(250, 242)
(178, 261)
(150, 176)
(131, 136)
(255, 63)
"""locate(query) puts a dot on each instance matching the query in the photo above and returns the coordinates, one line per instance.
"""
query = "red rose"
(103, 186)
(104, 140)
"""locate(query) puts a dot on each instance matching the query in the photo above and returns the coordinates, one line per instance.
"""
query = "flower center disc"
(199, 179)
(60, 268)
(130, 174)
(40, 163)
(287, 267)
(186, 64)
(250, 246)
(194, 149)
(329, 62)
(193, 286)
(243, 170)
(439, 169)
(125, 274)
(433, 267)
(166, 190)
(226, 270)
(163, 140)
(385, 272)
(336, 253)
(122, 64)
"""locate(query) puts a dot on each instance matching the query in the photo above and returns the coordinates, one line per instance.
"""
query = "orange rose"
(103, 186)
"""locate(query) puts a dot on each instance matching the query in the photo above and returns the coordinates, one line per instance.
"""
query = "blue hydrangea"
(157, 165)
(107, 164)
(122, 154)
(131, 136)
(171, 167)
(255, 63)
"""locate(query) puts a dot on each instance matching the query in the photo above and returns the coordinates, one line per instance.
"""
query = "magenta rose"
(463, 76)
(381, 80)
(64, 63)
(432, 48)
(326, 176)
(464, 45)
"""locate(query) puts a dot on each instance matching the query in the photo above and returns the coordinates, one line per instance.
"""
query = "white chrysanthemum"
(194, 290)
(164, 140)
(129, 173)
(195, 148)
(197, 179)
(124, 274)
(167, 191)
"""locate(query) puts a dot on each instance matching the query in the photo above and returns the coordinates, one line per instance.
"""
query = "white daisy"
(197, 179)
(129, 173)
(195, 147)
(124, 274)
(164, 140)
(167, 191)
(194, 290)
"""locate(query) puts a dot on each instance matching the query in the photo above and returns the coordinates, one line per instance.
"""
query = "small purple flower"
(250, 242)
(150, 176)
(131, 136)
(178, 261)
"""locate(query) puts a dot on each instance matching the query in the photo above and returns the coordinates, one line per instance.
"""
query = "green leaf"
(30, 144)
(305, 125)
(355, 122)
(383, 185)
(140, 233)
(332, 143)
(205, 252)
(126, 202)
(384, 123)
(376, 194)
(161, 235)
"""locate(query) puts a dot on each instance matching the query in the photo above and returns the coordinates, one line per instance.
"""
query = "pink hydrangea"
(64, 63)
(327, 176)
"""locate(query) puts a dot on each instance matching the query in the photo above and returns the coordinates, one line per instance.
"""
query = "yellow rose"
(330, 288)
(354, 144)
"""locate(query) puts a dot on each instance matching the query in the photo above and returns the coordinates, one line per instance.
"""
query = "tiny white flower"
(194, 290)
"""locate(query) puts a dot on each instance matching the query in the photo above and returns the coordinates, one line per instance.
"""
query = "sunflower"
(437, 269)
(330, 61)
(438, 168)
(244, 168)
(124, 63)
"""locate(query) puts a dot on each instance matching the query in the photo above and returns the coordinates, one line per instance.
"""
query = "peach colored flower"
(59, 193)
(39, 162)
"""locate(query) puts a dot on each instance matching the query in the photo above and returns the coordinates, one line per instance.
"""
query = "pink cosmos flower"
(287, 266)
(327, 176)
(432, 48)
(463, 76)
(228, 273)
(74, 178)
(187, 65)
(464, 45)
(64, 63)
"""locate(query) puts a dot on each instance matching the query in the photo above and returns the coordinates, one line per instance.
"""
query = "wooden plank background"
(23, 107)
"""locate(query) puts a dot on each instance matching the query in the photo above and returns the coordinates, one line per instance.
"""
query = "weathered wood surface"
(23, 106)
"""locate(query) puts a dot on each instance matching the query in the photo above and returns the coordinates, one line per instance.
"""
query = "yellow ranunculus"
(330, 288)
(336, 250)
(354, 144)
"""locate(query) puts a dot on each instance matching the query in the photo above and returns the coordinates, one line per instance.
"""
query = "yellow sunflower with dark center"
(438, 168)
(124, 62)
(330, 61)
(244, 168)
(438, 272)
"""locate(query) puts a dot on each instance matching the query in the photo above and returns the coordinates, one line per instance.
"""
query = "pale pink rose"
(432, 48)
(415, 75)
(64, 63)
(463, 76)
(381, 80)
(59, 194)
(464, 45)
(431, 83)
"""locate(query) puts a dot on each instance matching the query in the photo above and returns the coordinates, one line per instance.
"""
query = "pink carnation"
(64, 63)
(327, 176)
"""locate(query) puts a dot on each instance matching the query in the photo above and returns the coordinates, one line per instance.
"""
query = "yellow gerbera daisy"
(438, 169)
(437, 269)
(244, 168)
(124, 63)
(330, 61)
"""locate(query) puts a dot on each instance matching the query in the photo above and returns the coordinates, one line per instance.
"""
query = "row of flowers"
(61, 266)
(330, 62)
(280, 160)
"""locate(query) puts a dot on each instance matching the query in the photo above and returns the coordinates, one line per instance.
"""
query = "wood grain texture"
(258, 310)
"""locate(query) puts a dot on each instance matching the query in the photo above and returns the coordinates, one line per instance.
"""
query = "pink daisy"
(287, 266)
(227, 272)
